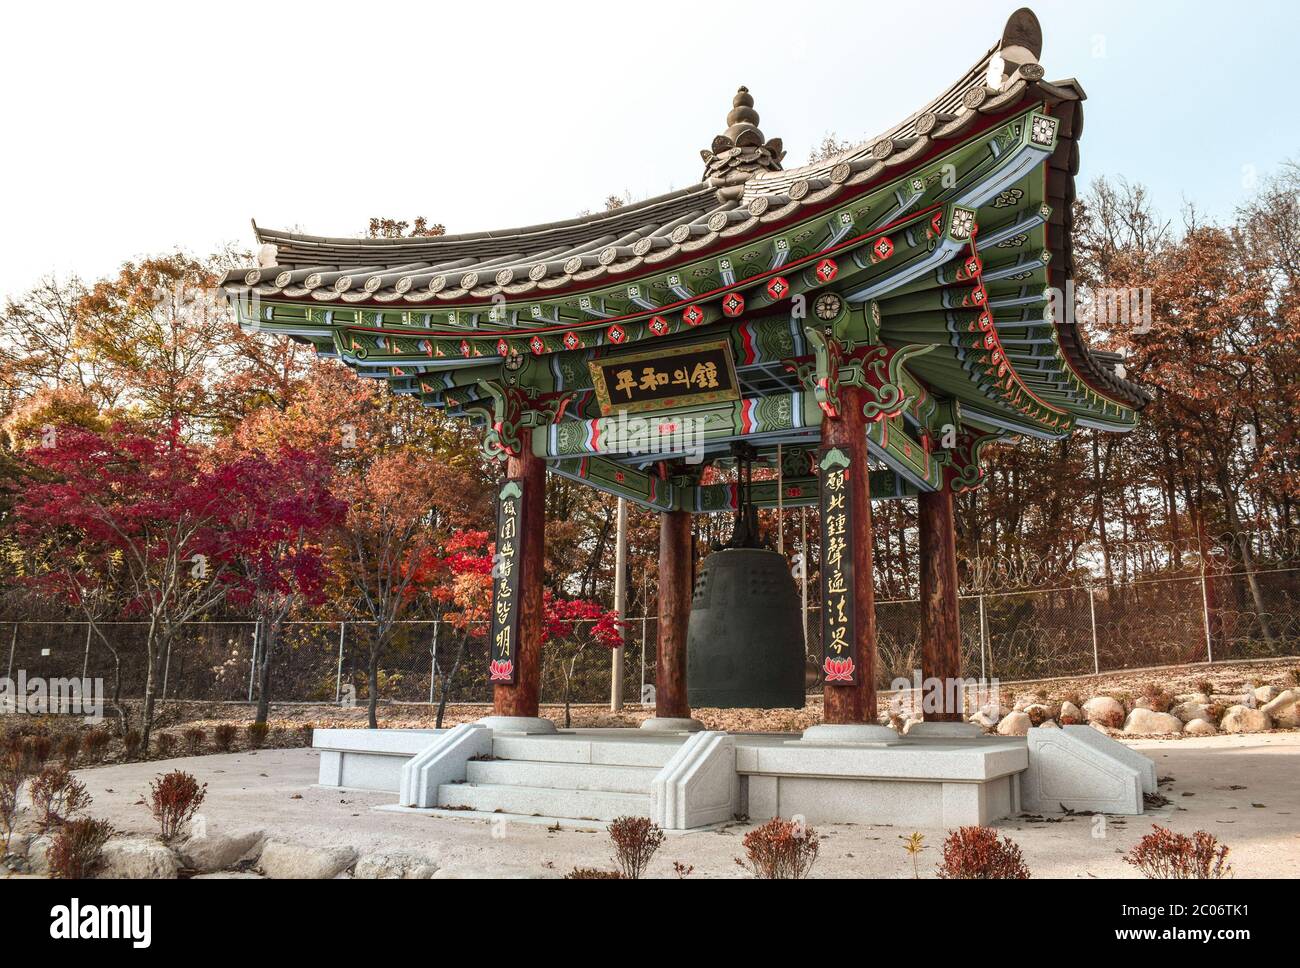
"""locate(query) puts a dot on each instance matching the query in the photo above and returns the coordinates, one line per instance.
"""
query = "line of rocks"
(246, 854)
(1190, 714)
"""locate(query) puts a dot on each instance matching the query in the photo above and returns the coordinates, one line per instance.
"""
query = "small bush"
(1165, 855)
(224, 736)
(591, 874)
(69, 746)
(1206, 686)
(36, 750)
(94, 744)
(1155, 697)
(13, 774)
(194, 738)
(164, 745)
(975, 853)
(781, 850)
(131, 741)
(77, 848)
(175, 798)
(56, 796)
(305, 733)
(635, 841)
(257, 733)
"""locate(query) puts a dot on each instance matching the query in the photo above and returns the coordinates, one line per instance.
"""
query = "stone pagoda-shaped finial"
(740, 152)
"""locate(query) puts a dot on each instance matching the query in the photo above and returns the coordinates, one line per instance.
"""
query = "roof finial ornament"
(740, 152)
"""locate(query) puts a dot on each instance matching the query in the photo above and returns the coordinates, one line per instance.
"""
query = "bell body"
(745, 641)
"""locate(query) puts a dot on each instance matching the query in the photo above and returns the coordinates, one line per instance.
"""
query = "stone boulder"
(396, 865)
(1265, 694)
(1187, 711)
(1243, 719)
(1284, 709)
(1148, 722)
(1200, 727)
(982, 719)
(1071, 715)
(137, 858)
(38, 855)
(1039, 713)
(294, 862)
(1049, 724)
(218, 851)
(1015, 724)
(1104, 711)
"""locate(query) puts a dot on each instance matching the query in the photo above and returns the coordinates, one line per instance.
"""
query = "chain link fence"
(1025, 633)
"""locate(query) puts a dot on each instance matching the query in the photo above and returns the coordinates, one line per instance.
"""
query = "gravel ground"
(1244, 789)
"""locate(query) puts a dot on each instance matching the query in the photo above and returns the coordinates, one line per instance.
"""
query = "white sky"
(136, 127)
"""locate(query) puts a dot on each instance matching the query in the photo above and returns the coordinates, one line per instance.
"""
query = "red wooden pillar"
(522, 698)
(674, 615)
(940, 622)
(856, 704)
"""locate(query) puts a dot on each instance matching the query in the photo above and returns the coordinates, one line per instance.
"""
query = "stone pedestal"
(941, 730)
(671, 724)
(530, 725)
(850, 734)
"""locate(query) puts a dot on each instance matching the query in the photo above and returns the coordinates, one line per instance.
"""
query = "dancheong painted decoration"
(893, 301)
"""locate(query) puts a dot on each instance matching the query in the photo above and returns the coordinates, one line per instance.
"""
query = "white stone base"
(529, 725)
(843, 734)
(367, 759)
(670, 725)
(1077, 768)
(946, 731)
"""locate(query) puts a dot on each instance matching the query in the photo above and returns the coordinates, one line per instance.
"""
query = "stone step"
(562, 776)
(544, 802)
(650, 751)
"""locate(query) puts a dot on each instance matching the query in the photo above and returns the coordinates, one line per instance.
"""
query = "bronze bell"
(744, 643)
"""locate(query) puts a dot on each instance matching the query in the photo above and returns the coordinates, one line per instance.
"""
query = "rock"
(1200, 727)
(1104, 711)
(219, 851)
(982, 719)
(907, 726)
(1039, 713)
(396, 865)
(1048, 724)
(1070, 715)
(1284, 710)
(1243, 719)
(38, 855)
(1265, 694)
(1025, 702)
(1187, 711)
(136, 858)
(1198, 697)
(1145, 722)
(294, 862)
(229, 876)
(1014, 724)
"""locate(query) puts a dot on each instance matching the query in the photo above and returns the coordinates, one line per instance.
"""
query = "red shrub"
(1165, 855)
(635, 841)
(75, 853)
(175, 797)
(224, 736)
(13, 774)
(56, 796)
(591, 874)
(194, 738)
(781, 850)
(94, 743)
(975, 853)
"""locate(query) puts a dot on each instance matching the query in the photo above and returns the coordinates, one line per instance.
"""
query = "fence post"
(252, 663)
(1205, 614)
(13, 646)
(338, 678)
(433, 664)
(167, 667)
(85, 663)
(1092, 608)
(983, 644)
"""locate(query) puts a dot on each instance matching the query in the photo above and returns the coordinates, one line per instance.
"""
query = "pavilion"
(867, 324)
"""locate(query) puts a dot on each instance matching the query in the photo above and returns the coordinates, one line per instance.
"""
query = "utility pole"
(620, 606)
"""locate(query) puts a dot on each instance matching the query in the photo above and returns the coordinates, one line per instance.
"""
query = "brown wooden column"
(522, 698)
(940, 621)
(856, 704)
(674, 615)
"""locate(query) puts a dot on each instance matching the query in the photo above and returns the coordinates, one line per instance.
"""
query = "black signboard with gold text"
(839, 666)
(676, 376)
(502, 667)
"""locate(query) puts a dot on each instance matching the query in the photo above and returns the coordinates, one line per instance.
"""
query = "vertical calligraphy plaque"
(503, 645)
(839, 665)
